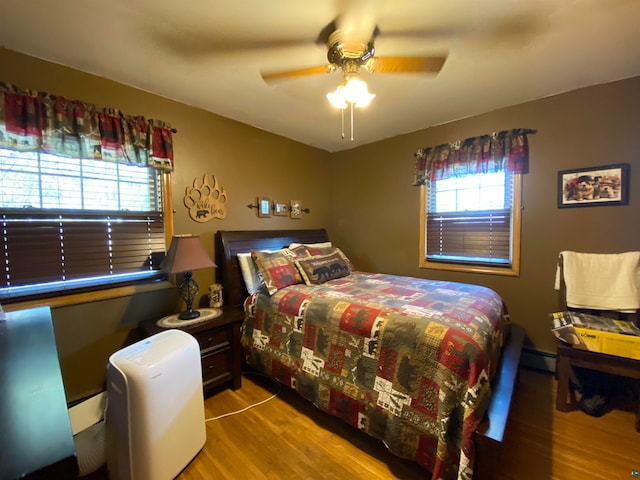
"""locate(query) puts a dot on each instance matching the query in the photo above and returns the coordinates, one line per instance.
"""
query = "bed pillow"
(277, 268)
(315, 251)
(321, 268)
(297, 251)
(317, 245)
(250, 275)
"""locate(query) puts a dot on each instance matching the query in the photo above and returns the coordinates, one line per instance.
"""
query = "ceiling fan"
(350, 47)
(350, 42)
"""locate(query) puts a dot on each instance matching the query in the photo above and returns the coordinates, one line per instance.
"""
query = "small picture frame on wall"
(295, 209)
(264, 207)
(594, 186)
(280, 209)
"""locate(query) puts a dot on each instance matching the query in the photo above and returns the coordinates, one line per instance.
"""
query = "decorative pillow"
(320, 268)
(250, 275)
(314, 251)
(277, 268)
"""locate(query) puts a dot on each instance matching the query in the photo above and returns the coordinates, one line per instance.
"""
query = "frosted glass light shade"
(354, 91)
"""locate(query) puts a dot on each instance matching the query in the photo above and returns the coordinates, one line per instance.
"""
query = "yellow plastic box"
(597, 334)
(618, 344)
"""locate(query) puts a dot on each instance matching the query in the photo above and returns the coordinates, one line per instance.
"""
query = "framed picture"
(592, 186)
(215, 295)
(264, 207)
(280, 209)
(295, 209)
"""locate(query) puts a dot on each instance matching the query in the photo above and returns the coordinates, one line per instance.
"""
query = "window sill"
(88, 297)
(512, 271)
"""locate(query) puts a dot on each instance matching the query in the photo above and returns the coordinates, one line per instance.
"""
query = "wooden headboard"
(231, 242)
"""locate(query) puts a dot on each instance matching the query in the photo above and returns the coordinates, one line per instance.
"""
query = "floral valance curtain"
(38, 121)
(503, 151)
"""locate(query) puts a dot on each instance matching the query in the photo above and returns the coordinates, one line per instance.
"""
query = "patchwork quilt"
(407, 360)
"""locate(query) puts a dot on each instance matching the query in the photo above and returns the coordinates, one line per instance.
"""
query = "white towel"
(608, 281)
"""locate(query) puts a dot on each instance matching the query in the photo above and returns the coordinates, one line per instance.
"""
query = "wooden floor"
(288, 438)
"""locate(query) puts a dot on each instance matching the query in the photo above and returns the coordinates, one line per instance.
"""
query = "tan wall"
(246, 161)
(376, 210)
(363, 196)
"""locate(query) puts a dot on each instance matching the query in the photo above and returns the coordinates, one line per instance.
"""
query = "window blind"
(49, 250)
(481, 237)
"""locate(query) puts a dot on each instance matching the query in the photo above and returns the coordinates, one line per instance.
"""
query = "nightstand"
(219, 340)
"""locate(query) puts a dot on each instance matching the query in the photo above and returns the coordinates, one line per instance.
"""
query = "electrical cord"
(224, 415)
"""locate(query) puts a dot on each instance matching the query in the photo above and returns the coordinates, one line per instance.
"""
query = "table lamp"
(187, 253)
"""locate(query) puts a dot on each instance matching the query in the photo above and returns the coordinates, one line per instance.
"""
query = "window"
(69, 224)
(472, 223)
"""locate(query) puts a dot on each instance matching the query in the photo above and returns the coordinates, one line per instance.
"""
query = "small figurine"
(215, 295)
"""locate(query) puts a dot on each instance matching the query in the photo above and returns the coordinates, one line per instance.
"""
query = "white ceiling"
(209, 54)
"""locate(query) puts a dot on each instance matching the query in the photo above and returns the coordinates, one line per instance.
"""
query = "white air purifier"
(155, 407)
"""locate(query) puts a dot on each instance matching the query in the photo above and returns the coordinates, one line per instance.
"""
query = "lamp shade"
(186, 253)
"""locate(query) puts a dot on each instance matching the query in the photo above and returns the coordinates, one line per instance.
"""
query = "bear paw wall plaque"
(206, 200)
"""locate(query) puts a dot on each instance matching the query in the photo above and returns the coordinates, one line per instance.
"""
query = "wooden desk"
(35, 432)
(568, 357)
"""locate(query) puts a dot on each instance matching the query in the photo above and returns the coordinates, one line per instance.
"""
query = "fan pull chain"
(351, 121)
(342, 136)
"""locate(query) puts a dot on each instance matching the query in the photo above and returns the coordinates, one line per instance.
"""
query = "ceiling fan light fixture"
(353, 91)
(350, 47)
(356, 92)
(337, 98)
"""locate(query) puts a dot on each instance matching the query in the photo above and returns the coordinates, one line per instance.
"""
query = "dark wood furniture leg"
(638, 409)
(568, 356)
(564, 396)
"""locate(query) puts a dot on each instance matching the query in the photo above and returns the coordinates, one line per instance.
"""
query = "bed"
(427, 367)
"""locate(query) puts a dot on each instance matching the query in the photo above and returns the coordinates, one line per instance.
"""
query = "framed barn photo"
(295, 209)
(594, 186)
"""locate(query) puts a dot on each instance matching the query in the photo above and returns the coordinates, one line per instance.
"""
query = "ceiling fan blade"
(204, 44)
(323, 36)
(513, 28)
(407, 64)
(356, 26)
(271, 77)
(356, 19)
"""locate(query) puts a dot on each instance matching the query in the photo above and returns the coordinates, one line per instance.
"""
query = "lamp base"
(189, 314)
(188, 291)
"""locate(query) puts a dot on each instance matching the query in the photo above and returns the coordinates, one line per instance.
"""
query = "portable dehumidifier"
(155, 407)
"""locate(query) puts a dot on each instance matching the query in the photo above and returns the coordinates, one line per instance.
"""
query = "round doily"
(172, 321)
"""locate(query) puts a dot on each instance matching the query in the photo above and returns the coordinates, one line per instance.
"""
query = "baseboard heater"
(538, 359)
